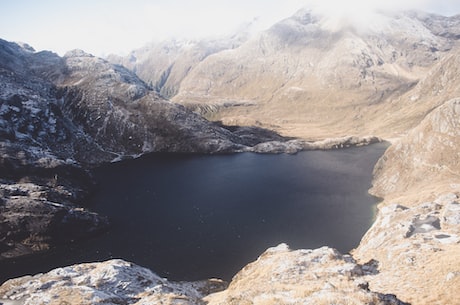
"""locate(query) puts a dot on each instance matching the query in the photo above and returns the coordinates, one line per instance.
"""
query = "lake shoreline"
(176, 156)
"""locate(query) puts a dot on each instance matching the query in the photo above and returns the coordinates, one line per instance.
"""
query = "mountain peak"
(26, 47)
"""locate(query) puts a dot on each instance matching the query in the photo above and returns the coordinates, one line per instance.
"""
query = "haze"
(116, 26)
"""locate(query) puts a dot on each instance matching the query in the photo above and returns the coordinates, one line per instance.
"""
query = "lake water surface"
(190, 217)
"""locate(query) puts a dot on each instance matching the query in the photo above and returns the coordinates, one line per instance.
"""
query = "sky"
(102, 27)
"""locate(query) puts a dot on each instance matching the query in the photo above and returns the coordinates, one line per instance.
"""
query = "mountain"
(165, 64)
(304, 79)
(54, 103)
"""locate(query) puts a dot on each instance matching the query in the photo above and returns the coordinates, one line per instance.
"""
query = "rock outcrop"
(279, 276)
(417, 247)
(111, 282)
(283, 276)
(296, 145)
(43, 207)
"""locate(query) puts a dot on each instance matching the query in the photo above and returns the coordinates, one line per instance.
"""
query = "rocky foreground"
(279, 276)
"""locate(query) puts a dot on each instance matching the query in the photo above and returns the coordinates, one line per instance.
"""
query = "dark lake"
(190, 217)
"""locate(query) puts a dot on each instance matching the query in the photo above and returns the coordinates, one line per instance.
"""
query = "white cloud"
(356, 7)
(364, 14)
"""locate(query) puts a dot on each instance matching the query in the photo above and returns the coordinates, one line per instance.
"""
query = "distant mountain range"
(303, 79)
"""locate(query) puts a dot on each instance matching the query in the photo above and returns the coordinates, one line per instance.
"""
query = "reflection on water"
(191, 217)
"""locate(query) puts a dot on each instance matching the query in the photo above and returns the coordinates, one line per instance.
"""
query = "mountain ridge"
(297, 63)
